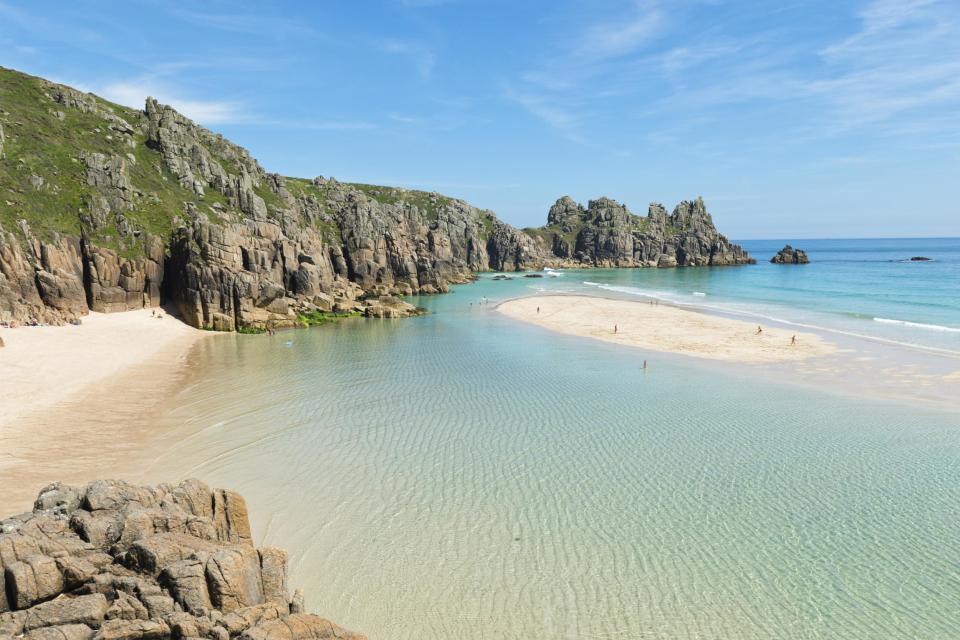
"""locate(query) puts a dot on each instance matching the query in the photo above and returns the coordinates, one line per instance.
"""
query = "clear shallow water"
(461, 475)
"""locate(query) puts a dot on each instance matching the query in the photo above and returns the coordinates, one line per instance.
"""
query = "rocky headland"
(607, 234)
(115, 561)
(789, 255)
(106, 208)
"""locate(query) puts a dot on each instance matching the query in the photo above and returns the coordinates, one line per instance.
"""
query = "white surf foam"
(917, 325)
(758, 314)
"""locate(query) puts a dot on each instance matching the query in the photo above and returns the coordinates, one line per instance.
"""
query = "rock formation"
(789, 255)
(114, 561)
(144, 205)
(107, 208)
(607, 234)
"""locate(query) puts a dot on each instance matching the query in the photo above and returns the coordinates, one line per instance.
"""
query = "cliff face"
(106, 208)
(607, 234)
(113, 561)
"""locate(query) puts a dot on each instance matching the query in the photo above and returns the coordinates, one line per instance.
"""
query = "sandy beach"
(76, 399)
(666, 328)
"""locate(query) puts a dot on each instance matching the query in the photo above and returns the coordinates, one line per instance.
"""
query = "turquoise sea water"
(463, 475)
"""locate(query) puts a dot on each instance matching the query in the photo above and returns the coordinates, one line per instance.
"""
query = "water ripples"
(463, 476)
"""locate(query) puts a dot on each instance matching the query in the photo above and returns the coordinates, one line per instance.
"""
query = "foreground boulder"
(789, 255)
(115, 561)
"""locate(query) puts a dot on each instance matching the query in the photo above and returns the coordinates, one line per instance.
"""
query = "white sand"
(41, 367)
(666, 328)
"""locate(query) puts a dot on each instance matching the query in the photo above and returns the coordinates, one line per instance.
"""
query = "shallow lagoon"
(462, 475)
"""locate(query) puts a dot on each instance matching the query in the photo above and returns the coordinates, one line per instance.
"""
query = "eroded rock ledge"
(115, 561)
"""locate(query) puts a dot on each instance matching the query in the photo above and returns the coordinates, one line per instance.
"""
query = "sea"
(466, 475)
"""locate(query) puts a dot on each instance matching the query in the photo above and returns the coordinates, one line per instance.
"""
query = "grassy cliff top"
(50, 133)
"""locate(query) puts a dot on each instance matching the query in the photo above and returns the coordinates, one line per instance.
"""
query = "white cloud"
(422, 55)
(619, 38)
(207, 112)
(549, 111)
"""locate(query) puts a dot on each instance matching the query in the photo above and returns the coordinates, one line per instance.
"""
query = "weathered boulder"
(115, 561)
(34, 579)
(186, 581)
(789, 255)
(64, 632)
(234, 578)
(88, 610)
(133, 630)
(298, 627)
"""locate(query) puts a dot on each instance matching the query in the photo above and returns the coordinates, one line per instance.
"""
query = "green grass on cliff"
(546, 234)
(429, 203)
(44, 139)
(38, 143)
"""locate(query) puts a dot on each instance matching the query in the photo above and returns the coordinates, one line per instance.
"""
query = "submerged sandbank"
(666, 328)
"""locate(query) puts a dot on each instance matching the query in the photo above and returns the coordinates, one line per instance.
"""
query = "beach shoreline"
(834, 363)
(79, 401)
(666, 328)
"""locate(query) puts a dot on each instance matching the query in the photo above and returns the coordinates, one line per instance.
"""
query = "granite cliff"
(607, 234)
(108, 208)
(115, 561)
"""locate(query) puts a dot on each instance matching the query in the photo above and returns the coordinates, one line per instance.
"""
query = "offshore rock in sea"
(115, 561)
(789, 255)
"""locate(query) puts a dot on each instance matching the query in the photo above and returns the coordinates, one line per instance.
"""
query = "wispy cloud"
(624, 36)
(553, 112)
(898, 69)
(558, 91)
(255, 23)
(422, 55)
(134, 93)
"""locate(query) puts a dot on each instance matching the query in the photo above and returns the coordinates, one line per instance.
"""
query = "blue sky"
(792, 119)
